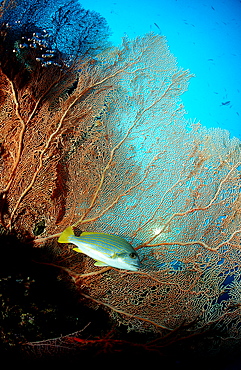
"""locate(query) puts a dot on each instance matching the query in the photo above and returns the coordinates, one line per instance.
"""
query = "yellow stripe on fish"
(106, 249)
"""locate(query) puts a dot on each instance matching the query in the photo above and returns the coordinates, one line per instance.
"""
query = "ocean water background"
(204, 36)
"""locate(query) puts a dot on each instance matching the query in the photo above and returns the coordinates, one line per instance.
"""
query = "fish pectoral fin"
(99, 263)
(77, 250)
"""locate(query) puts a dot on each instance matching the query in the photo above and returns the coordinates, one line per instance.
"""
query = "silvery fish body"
(106, 249)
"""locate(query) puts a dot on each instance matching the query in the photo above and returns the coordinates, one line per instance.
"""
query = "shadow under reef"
(44, 320)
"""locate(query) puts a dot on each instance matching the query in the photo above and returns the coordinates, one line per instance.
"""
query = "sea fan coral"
(104, 146)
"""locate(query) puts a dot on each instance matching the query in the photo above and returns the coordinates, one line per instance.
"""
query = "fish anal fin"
(77, 250)
(99, 263)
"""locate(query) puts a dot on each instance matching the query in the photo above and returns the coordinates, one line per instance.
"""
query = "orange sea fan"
(115, 154)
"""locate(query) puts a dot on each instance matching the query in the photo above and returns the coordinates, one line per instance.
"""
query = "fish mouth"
(134, 267)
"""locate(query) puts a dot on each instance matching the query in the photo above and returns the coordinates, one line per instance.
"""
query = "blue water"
(205, 37)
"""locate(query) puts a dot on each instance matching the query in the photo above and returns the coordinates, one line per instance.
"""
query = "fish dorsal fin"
(91, 233)
(99, 263)
(77, 250)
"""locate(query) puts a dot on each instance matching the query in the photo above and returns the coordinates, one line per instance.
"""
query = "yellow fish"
(105, 249)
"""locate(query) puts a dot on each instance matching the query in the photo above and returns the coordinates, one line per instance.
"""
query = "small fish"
(105, 249)
(157, 26)
(226, 102)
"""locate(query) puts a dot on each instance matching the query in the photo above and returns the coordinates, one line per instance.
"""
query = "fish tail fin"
(64, 237)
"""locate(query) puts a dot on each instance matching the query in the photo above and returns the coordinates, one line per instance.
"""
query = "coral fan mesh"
(115, 154)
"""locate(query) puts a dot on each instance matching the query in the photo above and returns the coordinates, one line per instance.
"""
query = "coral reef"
(99, 141)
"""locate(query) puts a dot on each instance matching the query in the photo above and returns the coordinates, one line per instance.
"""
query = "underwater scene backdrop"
(204, 36)
(98, 132)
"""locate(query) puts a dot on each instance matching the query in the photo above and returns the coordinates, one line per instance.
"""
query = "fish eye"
(133, 255)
